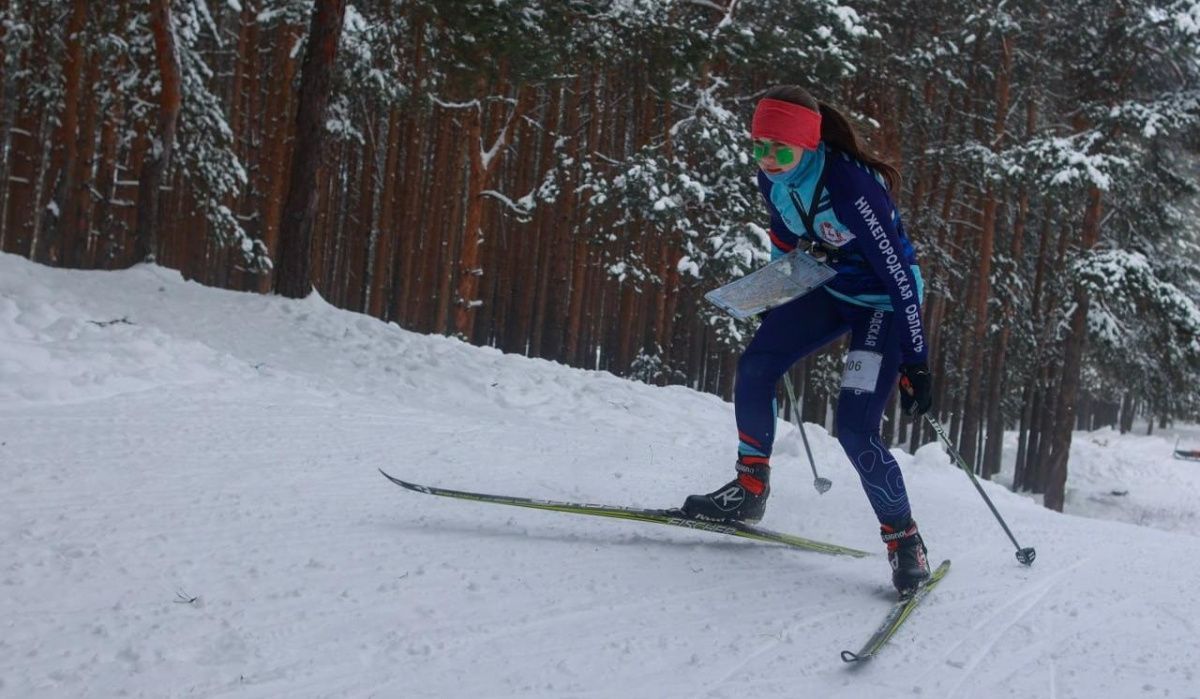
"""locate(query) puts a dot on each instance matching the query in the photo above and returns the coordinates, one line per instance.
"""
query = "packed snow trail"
(191, 507)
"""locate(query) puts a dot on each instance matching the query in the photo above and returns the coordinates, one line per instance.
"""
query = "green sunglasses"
(784, 155)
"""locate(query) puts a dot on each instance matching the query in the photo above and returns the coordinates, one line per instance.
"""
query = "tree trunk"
(294, 278)
(994, 449)
(1046, 408)
(483, 166)
(1072, 364)
(973, 349)
(364, 244)
(50, 241)
(410, 263)
(8, 110)
(77, 218)
(154, 168)
(1027, 467)
(434, 221)
(974, 413)
(275, 160)
(384, 261)
(451, 234)
(575, 348)
(1127, 412)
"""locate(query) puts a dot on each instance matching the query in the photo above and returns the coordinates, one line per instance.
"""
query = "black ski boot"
(741, 500)
(907, 554)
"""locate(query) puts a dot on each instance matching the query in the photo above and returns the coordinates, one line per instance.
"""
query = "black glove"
(916, 389)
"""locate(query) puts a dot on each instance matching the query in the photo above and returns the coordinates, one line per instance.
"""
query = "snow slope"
(190, 507)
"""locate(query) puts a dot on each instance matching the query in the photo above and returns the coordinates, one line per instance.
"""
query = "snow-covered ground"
(1131, 478)
(191, 507)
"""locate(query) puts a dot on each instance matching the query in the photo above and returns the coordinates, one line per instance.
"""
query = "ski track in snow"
(192, 508)
(994, 629)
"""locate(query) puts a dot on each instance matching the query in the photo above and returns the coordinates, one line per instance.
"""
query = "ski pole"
(821, 484)
(1024, 555)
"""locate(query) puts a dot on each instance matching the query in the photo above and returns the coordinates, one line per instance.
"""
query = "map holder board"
(783, 280)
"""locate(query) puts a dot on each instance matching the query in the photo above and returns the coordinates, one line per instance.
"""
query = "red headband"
(786, 122)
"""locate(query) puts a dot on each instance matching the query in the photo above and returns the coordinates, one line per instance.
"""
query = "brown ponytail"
(837, 132)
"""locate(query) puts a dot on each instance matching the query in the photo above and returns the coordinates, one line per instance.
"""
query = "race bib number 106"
(862, 370)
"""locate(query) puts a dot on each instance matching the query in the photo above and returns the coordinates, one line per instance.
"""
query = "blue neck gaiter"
(809, 167)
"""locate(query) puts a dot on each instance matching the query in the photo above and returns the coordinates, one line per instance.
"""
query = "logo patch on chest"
(830, 234)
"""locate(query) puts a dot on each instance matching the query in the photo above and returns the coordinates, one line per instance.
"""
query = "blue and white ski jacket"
(836, 202)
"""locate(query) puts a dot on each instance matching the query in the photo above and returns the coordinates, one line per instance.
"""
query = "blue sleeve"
(863, 205)
(779, 247)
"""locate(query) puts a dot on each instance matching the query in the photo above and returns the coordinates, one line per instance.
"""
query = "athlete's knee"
(758, 368)
(853, 441)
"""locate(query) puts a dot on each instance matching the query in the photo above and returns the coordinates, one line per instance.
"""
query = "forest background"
(565, 179)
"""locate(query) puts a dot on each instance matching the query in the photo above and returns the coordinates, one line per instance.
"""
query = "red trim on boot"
(751, 483)
(892, 538)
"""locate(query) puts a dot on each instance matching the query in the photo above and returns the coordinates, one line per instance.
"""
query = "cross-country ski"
(671, 517)
(896, 617)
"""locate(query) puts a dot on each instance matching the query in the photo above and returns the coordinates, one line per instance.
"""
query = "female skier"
(826, 193)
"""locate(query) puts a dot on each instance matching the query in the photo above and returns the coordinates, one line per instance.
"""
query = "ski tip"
(410, 486)
(397, 481)
(852, 657)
